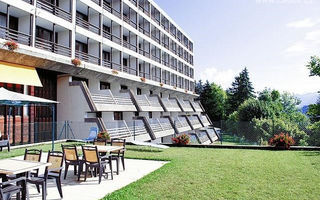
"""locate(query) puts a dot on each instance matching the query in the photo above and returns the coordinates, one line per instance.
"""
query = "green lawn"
(198, 173)
(195, 173)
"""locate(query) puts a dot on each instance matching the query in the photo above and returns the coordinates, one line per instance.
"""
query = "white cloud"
(304, 23)
(220, 77)
(313, 36)
(297, 47)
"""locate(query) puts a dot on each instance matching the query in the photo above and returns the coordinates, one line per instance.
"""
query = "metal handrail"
(87, 57)
(52, 46)
(10, 34)
(85, 24)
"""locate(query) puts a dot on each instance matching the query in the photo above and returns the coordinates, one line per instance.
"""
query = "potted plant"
(11, 45)
(186, 91)
(181, 140)
(103, 135)
(76, 62)
(282, 141)
(143, 79)
(161, 84)
(115, 71)
(174, 87)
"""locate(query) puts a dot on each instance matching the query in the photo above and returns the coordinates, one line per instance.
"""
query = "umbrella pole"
(53, 125)
(10, 111)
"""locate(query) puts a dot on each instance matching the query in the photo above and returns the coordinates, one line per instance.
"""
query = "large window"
(82, 47)
(44, 33)
(104, 86)
(118, 116)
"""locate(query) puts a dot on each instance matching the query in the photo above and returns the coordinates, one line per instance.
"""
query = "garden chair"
(93, 134)
(72, 158)
(96, 162)
(119, 154)
(12, 187)
(33, 155)
(51, 172)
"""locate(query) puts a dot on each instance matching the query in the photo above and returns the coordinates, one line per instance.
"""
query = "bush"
(183, 139)
(282, 141)
(314, 133)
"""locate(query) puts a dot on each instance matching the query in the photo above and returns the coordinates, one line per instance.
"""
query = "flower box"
(161, 84)
(115, 72)
(181, 140)
(76, 62)
(11, 45)
(281, 141)
(143, 79)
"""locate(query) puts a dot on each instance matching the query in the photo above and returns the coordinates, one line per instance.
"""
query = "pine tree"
(240, 91)
(199, 87)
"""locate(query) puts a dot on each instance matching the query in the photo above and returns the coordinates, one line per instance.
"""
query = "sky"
(274, 39)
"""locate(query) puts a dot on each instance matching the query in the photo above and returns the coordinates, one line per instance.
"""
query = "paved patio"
(91, 190)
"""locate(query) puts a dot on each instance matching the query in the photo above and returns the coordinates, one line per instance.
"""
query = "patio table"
(19, 168)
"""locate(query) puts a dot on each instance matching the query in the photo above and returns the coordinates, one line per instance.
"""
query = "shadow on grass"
(149, 150)
(311, 153)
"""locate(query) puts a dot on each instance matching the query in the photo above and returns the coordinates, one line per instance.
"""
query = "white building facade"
(136, 77)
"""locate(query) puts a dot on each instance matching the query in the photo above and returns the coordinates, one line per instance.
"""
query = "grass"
(195, 173)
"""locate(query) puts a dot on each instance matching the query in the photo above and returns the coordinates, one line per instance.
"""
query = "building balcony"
(106, 101)
(87, 57)
(130, 46)
(52, 47)
(55, 10)
(205, 121)
(185, 106)
(197, 107)
(87, 25)
(148, 103)
(144, 53)
(212, 134)
(144, 31)
(171, 105)
(194, 122)
(161, 127)
(129, 21)
(181, 124)
(129, 130)
(107, 6)
(19, 37)
(203, 137)
(155, 58)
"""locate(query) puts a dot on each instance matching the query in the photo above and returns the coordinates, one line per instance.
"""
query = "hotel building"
(135, 80)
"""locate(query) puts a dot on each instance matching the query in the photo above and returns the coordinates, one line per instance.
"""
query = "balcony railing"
(129, 46)
(145, 101)
(126, 129)
(84, 24)
(144, 31)
(203, 137)
(108, 8)
(129, 21)
(156, 78)
(155, 38)
(144, 52)
(29, 1)
(106, 34)
(186, 105)
(155, 19)
(134, 2)
(196, 106)
(106, 63)
(55, 10)
(52, 47)
(181, 122)
(96, 1)
(116, 39)
(161, 124)
(166, 63)
(204, 120)
(166, 45)
(194, 120)
(171, 104)
(108, 98)
(155, 58)
(9, 34)
(87, 57)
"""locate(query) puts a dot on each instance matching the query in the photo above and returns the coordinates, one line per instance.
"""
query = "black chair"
(12, 187)
(33, 155)
(95, 162)
(51, 172)
(119, 154)
(72, 158)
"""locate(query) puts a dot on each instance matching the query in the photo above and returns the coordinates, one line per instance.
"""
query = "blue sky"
(274, 39)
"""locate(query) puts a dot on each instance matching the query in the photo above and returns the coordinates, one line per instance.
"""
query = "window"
(136, 114)
(82, 16)
(3, 19)
(123, 87)
(82, 47)
(80, 79)
(104, 86)
(106, 55)
(125, 61)
(139, 92)
(118, 116)
(44, 33)
(151, 92)
(125, 38)
(106, 28)
(150, 115)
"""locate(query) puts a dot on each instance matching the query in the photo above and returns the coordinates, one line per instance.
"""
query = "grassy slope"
(226, 174)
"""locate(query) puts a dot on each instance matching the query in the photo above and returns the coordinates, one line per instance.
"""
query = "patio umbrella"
(17, 99)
